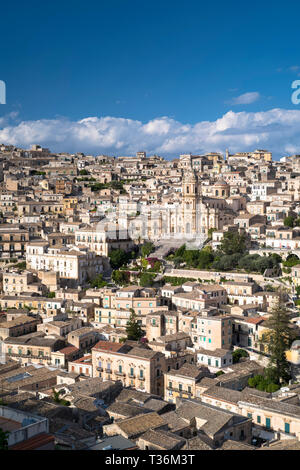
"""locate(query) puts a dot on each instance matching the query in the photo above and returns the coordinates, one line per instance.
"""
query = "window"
(120, 369)
(249, 415)
(258, 419)
(180, 387)
(268, 423)
(287, 428)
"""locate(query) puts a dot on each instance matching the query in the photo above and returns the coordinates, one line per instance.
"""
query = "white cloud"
(277, 130)
(246, 98)
(294, 68)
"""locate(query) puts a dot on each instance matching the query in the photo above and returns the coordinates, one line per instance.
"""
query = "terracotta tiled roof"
(108, 346)
(34, 442)
(68, 350)
(255, 321)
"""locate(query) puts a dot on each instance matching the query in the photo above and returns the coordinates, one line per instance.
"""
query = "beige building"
(33, 348)
(74, 266)
(13, 240)
(136, 367)
(116, 307)
(201, 297)
(207, 331)
(83, 366)
(83, 338)
(181, 383)
(102, 241)
(22, 325)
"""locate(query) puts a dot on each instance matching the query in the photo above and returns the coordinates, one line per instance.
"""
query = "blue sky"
(157, 75)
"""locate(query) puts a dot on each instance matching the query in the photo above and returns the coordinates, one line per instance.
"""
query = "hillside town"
(149, 304)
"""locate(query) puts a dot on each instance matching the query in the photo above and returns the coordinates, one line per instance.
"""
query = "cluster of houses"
(69, 375)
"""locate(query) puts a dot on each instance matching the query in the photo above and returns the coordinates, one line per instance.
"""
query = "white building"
(73, 265)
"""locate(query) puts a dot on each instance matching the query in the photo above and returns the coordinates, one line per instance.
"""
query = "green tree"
(238, 354)
(289, 221)
(117, 258)
(226, 262)
(98, 282)
(121, 277)
(233, 242)
(291, 261)
(220, 372)
(278, 340)
(146, 249)
(264, 382)
(50, 295)
(117, 185)
(157, 266)
(180, 252)
(205, 259)
(210, 232)
(133, 328)
(4, 439)
(146, 280)
(57, 399)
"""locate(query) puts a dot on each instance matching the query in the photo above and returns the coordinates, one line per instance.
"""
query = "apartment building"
(83, 338)
(74, 266)
(207, 331)
(13, 240)
(201, 298)
(214, 360)
(136, 367)
(161, 323)
(21, 325)
(102, 241)
(83, 366)
(32, 348)
(36, 303)
(60, 328)
(240, 293)
(181, 383)
(21, 281)
(117, 306)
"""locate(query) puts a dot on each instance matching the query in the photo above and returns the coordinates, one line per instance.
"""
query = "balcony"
(141, 378)
(131, 376)
(29, 356)
(121, 374)
(99, 369)
(181, 392)
(108, 371)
